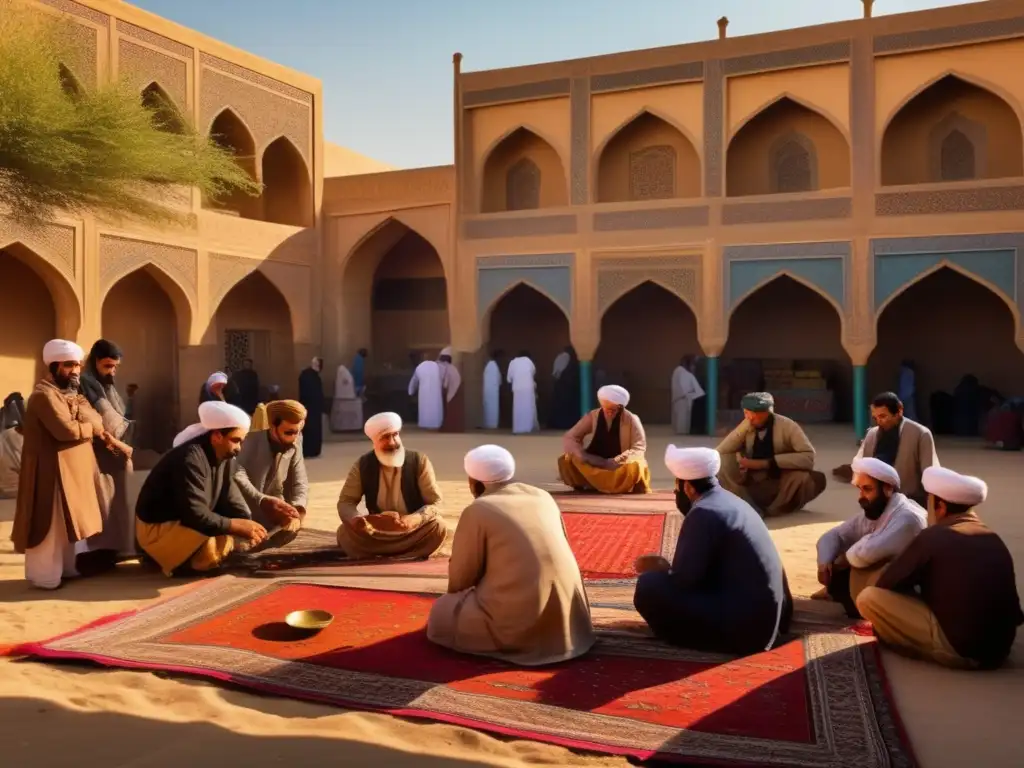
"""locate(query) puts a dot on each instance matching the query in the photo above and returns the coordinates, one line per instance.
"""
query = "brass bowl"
(308, 620)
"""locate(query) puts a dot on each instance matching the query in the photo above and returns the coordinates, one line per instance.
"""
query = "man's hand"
(841, 562)
(754, 464)
(360, 524)
(132, 389)
(118, 448)
(824, 575)
(278, 509)
(646, 563)
(388, 521)
(245, 528)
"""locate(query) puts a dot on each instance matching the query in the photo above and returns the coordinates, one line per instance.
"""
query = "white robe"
(521, 375)
(346, 409)
(492, 395)
(867, 543)
(685, 389)
(54, 559)
(561, 363)
(426, 382)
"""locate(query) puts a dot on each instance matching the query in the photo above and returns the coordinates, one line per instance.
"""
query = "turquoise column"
(586, 388)
(860, 400)
(711, 392)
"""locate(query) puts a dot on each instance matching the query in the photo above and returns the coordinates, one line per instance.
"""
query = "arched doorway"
(140, 316)
(644, 336)
(525, 320)
(648, 159)
(949, 326)
(228, 131)
(287, 189)
(166, 116)
(28, 319)
(786, 338)
(523, 172)
(254, 322)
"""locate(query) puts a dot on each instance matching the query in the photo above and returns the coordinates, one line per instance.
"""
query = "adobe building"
(805, 208)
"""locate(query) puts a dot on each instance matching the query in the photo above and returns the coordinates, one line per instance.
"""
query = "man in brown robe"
(614, 461)
(58, 505)
(514, 589)
(768, 460)
(451, 386)
(401, 499)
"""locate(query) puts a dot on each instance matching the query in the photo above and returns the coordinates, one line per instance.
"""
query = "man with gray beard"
(401, 498)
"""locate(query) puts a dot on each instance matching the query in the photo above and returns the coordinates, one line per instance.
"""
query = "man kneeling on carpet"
(514, 589)
(614, 459)
(725, 590)
(190, 508)
(853, 555)
(401, 498)
(271, 472)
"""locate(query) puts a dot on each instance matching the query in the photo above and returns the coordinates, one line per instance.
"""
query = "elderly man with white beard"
(401, 497)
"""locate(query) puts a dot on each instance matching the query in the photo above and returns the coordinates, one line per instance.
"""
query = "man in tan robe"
(768, 460)
(514, 589)
(58, 504)
(451, 385)
(401, 499)
(614, 460)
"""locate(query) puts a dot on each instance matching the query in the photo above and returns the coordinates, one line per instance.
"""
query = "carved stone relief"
(579, 106)
(120, 256)
(79, 10)
(652, 173)
(678, 274)
(522, 91)
(950, 201)
(530, 226)
(54, 243)
(143, 66)
(81, 49)
(173, 46)
(225, 273)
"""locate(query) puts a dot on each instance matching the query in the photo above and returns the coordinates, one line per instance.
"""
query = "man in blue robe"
(725, 590)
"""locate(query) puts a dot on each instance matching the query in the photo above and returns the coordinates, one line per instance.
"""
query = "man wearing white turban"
(725, 590)
(853, 555)
(427, 386)
(514, 589)
(400, 495)
(951, 596)
(522, 375)
(58, 506)
(614, 460)
(190, 510)
(214, 388)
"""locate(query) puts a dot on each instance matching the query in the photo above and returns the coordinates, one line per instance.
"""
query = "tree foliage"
(105, 150)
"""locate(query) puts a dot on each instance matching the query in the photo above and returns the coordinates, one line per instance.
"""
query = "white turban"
(61, 351)
(214, 414)
(692, 463)
(382, 422)
(490, 464)
(954, 488)
(217, 378)
(446, 352)
(877, 469)
(613, 393)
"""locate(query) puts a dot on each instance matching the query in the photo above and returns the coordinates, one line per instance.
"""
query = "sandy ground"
(54, 716)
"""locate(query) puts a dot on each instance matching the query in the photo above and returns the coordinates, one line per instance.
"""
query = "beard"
(69, 383)
(875, 508)
(107, 380)
(395, 458)
(683, 503)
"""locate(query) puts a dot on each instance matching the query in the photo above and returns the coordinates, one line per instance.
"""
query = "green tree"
(103, 150)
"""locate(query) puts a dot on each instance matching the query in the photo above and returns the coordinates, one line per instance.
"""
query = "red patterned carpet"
(819, 701)
(607, 545)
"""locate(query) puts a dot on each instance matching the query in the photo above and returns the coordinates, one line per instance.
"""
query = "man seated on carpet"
(271, 472)
(614, 459)
(190, 509)
(725, 590)
(515, 591)
(853, 555)
(768, 460)
(951, 596)
(401, 498)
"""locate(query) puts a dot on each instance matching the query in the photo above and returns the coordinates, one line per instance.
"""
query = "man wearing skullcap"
(515, 591)
(454, 396)
(190, 510)
(725, 590)
(613, 461)
(768, 459)
(400, 495)
(271, 471)
(57, 504)
(853, 555)
(951, 596)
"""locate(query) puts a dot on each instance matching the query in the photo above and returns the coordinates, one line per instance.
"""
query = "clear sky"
(386, 64)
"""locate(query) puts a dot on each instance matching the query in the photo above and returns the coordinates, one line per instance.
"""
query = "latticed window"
(522, 186)
(793, 168)
(652, 173)
(957, 157)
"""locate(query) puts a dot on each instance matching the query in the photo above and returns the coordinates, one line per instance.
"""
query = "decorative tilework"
(672, 73)
(579, 105)
(143, 66)
(179, 49)
(714, 117)
(942, 36)
(81, 49)
(525, 260)
(788, 210)
(256, 78)
(543, 89)
(794, 57)
(825, 265)
(225, 273)
(532, 226)
(652, 218)
(678, 274)
(972, 200)
(79, 10)
(53, 243)
(120, 256)
(550, 274)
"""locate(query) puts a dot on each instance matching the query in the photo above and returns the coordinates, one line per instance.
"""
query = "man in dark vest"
(401, 497)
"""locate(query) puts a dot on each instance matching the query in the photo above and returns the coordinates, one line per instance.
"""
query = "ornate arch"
(390, 219)
(807, 145)
(486, 312)
(796, 278)
(608, 295)
(261, 151)
(801, 102)
(227, 271)
(238, 117)
(58, 282)
(181, 300)
(481, 170)
(600, 148)
(69, 81)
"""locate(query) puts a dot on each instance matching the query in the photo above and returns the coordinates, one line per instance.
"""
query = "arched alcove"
(287, 189)
(231, 133)
(28, 319)
(784, 148)
(68, 82)
(952, 130)
(779, 336)
(165, 114)
(522, 171)
(950, 326)
(644, 335)
(648, 159)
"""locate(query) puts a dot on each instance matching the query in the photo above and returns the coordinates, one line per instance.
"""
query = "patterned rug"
(818, 701)
(655, 503)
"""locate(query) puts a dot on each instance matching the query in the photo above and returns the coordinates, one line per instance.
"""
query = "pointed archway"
(147, 315)
(287, 189)
(644, 336)
(522, 172)
(231, 134)
(786, 338)
(164, 112)
(949, 326)
(68, 82)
